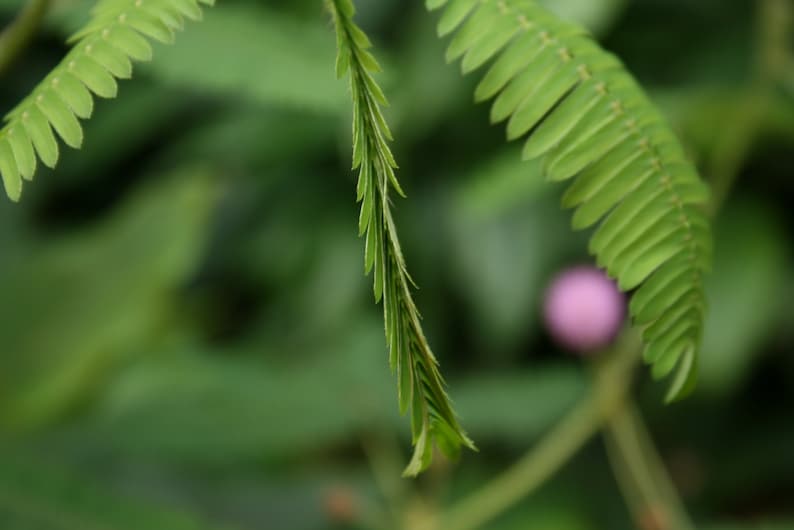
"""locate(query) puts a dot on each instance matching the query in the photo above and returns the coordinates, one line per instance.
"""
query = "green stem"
(613, 378)
(645, 483)
(627, 482)
(384, 458)
(18, 34)
(731, 150)
(659, 472)
(734, 146)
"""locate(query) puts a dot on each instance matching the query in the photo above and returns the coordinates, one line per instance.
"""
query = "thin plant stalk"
(775, 23)
(16, 37)
(644, 481)
(611, 384)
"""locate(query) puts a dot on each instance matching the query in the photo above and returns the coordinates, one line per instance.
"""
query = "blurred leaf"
(307, 258)
(780, 119)
(120, 129)
(188, 404)
(517, 406)
(252, 426)
(746, 293)
(505, 226)
(695, 110)
(752, 526)
(788, 319)
(34, 496)
(246, 136)
(428, 89)
(545, 519)
(243, 50)
(246, 50)
(595, 15)
(788, 81)
(501, 184)
(73, 304)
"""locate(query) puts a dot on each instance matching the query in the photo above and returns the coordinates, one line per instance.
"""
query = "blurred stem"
(644, 481)
(626, 481)
(661, 476)
(15, 38)
(735, 144)
(385, 462)
(775, 18)
(611, 383)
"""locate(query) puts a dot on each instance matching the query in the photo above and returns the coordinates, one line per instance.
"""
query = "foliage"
(216, 355)
(587, 118)
(33, 495)
(275, 72)
(419, 383)
(102, 51)
(145, 249)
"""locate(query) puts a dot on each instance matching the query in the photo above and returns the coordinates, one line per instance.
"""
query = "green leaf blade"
(589, 122)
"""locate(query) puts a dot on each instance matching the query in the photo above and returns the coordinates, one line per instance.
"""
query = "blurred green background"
(187, 340)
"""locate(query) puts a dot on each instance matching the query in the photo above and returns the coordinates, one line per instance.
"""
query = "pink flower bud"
(584, 309)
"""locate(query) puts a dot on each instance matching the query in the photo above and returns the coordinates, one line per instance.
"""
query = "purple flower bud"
(584, 309)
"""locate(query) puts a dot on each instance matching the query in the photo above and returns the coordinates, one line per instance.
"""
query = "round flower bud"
(584, 309)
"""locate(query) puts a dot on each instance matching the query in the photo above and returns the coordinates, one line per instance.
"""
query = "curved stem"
(774, 27)
(626, 481)
(645, 483)
(18, 34)
(613, 378)
(383, 455)
(735, 144)
(661, 476)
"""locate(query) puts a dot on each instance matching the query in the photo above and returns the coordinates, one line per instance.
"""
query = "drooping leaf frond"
(590, 122)
(118, 33)
(420, 385)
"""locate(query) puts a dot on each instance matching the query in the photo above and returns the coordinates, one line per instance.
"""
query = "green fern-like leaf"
(590, 121)
(420, 386)
(118, 33)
